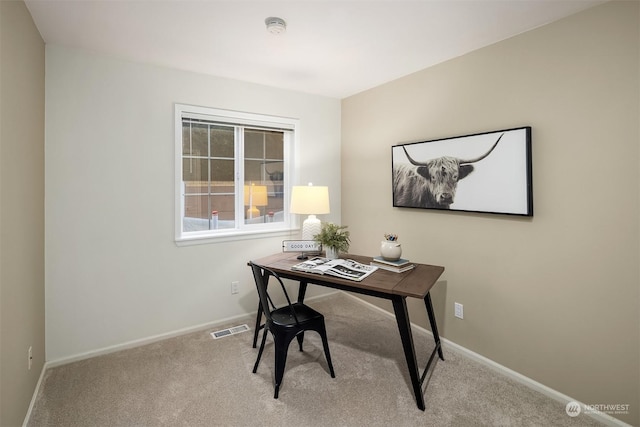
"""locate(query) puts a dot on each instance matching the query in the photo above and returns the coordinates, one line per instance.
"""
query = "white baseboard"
(144, 341)
(532, 384)
(247, 317)
(35, 395)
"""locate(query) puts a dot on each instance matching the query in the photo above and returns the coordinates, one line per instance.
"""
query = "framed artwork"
(485, 172)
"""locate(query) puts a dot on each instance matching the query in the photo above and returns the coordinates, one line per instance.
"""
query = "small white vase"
(331, 253)
(391, 251)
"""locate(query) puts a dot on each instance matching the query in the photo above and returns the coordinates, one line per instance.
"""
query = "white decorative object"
(331, 253)
(390, 250)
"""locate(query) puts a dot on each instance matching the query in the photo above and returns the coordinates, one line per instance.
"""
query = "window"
(232, 172)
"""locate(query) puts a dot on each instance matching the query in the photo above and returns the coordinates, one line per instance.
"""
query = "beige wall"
(554, 297)
(21, 209)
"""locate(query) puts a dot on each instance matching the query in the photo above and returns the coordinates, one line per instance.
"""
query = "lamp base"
(310, 227)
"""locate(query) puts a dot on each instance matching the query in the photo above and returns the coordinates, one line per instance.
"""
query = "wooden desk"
(415, 283)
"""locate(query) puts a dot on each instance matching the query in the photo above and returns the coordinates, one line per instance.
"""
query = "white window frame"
(241, 230)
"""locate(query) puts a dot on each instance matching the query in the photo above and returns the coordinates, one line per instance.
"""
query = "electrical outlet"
(234, 287)
(458, 310)
(30, 356)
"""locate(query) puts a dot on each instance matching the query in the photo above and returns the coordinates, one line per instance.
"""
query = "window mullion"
(209, 176)
(288, 153)
(239, 161)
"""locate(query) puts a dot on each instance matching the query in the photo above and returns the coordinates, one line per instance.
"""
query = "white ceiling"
(331, 48)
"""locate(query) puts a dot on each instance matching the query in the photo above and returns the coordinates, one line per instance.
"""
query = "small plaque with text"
(301, 246)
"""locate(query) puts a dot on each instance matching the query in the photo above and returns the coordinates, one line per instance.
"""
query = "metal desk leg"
(434, 327)
(302, 290)
(402, 317)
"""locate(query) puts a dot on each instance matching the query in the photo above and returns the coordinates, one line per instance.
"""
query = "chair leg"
(264, 338)
(300, 338)
(281, 349)
(325, 344)
(257, 328)
(275, 394)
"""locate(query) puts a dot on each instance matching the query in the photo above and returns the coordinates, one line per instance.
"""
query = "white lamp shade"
(310, 200)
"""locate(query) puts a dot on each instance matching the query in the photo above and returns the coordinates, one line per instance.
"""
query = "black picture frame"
(487, 172)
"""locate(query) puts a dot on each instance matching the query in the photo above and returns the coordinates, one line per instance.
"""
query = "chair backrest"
(261, 277)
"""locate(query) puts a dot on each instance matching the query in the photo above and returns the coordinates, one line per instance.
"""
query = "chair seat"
(283, 317)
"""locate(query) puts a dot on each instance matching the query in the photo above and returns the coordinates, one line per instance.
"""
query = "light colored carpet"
(193, 380)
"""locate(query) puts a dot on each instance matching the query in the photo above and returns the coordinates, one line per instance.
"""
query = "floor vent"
(229, 331)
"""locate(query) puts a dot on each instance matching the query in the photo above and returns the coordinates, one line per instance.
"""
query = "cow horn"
(413, 162)
(462, 162)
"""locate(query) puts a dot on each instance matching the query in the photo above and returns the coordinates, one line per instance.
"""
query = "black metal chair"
(286, 323)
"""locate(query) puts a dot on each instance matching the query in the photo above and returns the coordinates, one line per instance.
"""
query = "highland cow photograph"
(486, 172)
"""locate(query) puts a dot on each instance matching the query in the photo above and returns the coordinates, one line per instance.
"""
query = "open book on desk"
(342, 268)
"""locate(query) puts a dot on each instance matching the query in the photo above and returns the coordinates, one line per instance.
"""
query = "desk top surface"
(415, 283)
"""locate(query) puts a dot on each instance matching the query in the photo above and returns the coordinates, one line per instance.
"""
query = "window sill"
(234, 236)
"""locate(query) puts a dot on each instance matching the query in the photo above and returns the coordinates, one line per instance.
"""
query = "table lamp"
(254, 196)
(312, 201)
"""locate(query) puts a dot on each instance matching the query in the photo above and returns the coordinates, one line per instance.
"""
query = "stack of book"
(398, 266)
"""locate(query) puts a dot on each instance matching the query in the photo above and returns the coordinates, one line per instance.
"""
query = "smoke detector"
(275, 25)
